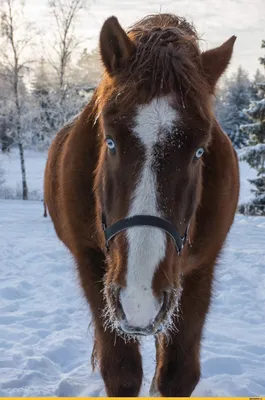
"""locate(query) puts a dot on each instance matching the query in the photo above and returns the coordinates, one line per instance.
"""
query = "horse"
(142, 188)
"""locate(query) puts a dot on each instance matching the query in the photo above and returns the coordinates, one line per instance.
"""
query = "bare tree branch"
(65, 14)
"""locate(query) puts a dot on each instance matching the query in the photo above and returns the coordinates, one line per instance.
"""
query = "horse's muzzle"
(152, 328)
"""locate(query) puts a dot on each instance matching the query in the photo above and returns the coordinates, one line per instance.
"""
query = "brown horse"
(144, 167)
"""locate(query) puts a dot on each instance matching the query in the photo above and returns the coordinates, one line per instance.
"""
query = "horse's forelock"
(166, 60)
(161, 21)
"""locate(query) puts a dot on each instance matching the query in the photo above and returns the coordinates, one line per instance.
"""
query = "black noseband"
(144, 220)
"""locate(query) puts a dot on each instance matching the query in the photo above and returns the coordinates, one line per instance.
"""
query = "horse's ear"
(215, 61)
(115, 46)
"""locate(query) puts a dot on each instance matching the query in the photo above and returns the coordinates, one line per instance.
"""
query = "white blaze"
(147, 245)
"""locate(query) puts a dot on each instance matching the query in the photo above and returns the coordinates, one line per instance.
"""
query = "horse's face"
(150, 164)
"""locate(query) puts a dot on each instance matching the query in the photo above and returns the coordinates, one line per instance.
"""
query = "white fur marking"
(147, 245)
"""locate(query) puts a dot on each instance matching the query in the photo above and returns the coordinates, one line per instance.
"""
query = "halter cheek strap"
(144, 220)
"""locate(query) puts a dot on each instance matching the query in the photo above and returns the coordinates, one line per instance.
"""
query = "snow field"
(46, 338)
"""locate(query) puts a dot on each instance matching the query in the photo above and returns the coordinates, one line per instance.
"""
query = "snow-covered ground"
(45, 337)
(34, 163)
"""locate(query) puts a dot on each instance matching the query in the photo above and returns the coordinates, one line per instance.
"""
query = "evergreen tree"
(231, 101)
(262, 59)
(255, 153)
(254, 90)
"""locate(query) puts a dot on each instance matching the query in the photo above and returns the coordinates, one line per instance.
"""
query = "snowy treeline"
(233, 97)
(240, 110)
(43, 84)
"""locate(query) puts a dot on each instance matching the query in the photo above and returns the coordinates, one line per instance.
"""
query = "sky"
(215, 21)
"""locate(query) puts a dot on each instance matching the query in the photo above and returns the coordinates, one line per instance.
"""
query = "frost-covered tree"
(5, 123)
(65, 14)
(16, 35)
(255, 153)
(89, 68)
(233, 97)
(51, 112)
(59, 86)
(262, 59)
(254, 90)
(42, 94)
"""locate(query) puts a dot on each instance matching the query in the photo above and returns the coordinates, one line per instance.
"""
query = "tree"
(89, 67)
(65, 14)
(42, 94)
(254, 89)
(262, 59)
(46, 96)
(231, 101)
(255, 153)
(17, 35)
(5, 122)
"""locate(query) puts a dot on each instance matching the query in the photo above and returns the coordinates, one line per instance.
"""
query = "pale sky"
(215, 20)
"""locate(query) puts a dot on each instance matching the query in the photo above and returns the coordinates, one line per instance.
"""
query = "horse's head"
(155, 117)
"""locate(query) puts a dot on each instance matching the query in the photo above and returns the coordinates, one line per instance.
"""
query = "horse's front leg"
(120, 364)
(178, 361)
(119, 361)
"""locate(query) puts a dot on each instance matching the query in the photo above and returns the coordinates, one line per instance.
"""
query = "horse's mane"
(166, 60)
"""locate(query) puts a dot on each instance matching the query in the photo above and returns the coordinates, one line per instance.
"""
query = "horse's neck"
(80, 158)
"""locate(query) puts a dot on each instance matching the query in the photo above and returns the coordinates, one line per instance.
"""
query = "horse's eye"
(199, 153)
(111, 144)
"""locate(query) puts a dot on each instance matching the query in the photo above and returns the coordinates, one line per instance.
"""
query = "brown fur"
(159, 56)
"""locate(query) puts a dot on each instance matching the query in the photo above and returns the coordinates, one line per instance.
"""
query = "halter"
(144, 220)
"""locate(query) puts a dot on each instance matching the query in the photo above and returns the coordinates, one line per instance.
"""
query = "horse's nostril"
(165, 301)
(114, 292)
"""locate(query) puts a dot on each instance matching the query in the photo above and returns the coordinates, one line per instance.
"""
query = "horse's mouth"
(164, 322)
(137, 331)
(153, 328)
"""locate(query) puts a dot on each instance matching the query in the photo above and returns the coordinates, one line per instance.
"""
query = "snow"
(34, 163)
(246, 173)
(258, 106)
(46, 337)
(258, 148)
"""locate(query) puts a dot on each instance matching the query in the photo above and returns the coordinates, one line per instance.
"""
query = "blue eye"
(110, 143)
(199, 152)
